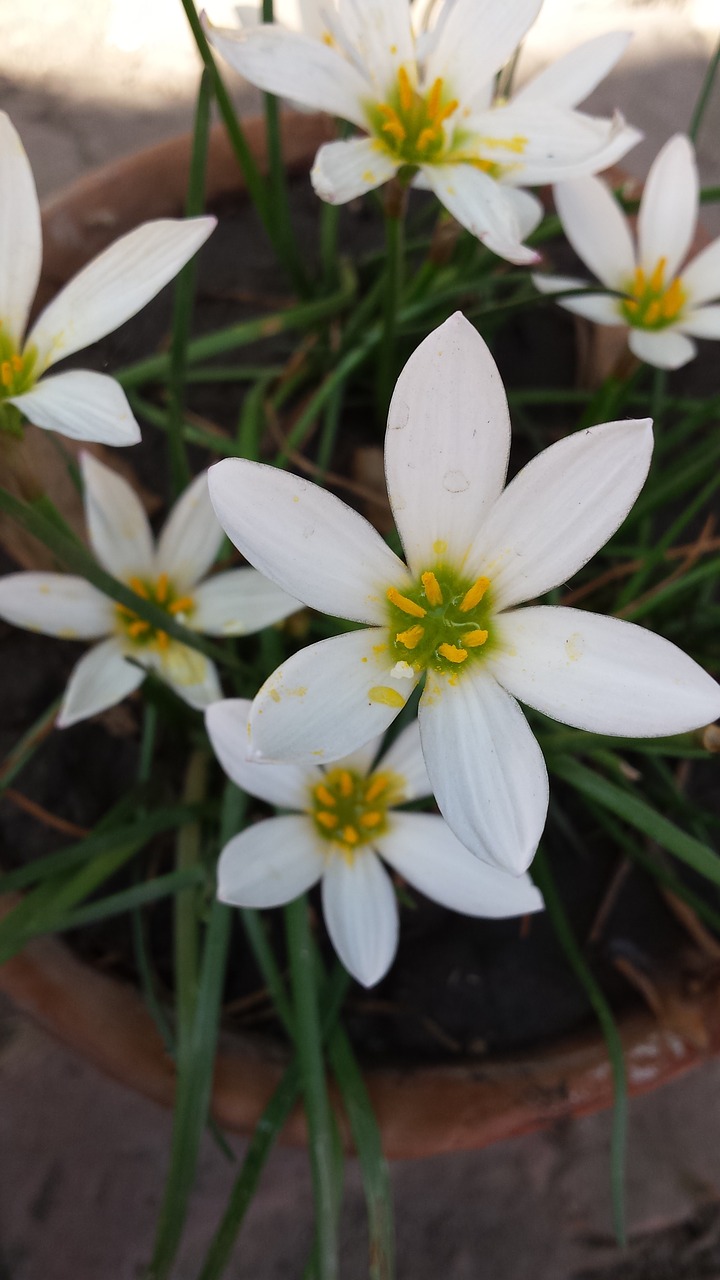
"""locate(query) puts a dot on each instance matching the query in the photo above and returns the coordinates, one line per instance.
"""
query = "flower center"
(410, 125)
(442, 622)
(16, 377)
(350, 810)
(650, 304)
(162, 592)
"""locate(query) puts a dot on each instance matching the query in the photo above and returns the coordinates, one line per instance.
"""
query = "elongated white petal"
(238, 603)
(116, 284)
(528, 210)
(602, 674)
(119, 530)
(193, 676)
(476, 40)
(560, 509)
(669, 207)
(56, 604)
(486, 768)
(296, 67)
(479, 203)
(424, 850)
(447, 443)
(101, 679)
(665, 349)
(344, 170)
(597, 230)
(328, 699)
(703, 323)
(601, 308)
(269, 863)
(191, 536)
(572, 78)
(557, 144)
(302, 537)
(285, 785)
(361, 915)
(380, 34)
(81, 405)
(404, 757)
(20, 234)
(701, 278)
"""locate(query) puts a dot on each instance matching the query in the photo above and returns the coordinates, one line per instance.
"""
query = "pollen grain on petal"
(385, 696)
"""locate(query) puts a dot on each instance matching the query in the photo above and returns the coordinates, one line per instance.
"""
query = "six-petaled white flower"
(233, 603)
(662, 303)
(428, 106)
(474, 552)
(110, 289)
(347, 821)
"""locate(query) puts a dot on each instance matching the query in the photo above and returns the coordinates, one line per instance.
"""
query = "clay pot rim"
(421, 1111)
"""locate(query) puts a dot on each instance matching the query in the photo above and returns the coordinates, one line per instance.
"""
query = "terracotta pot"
(421, 1111)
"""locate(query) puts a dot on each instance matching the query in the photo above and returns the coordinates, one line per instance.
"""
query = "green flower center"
(443, 622)
(162, 592)
(17, 375)
(350, 810)
(410, 125)
(650, 304)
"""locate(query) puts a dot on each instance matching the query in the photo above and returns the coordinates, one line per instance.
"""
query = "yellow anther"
(17, 363)
(371, 820)
(658, 275)
(326, 820)
(674, 299)
(427, 137)
(395, 129)
(162, 640)
(181, 605)
(452, 653)
(6, 373)
(345, 783)
(474, 639)
(448, 109)
(138, 628)
(407, 606)
(139, 588)
(376, 785)
(406, 89)
(474, 595)
(161, 588)
(653, 312)
(350, 835)
(412, 637)
(432, 587)
(434, 96)
(638, 285)
(632, 305)
(324, 795)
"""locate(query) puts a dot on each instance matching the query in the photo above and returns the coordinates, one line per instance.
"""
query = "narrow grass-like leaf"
(140, 895)
(25, 749)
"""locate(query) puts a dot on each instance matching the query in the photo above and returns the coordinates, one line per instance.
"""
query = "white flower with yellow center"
(234, 603)
(427, 103)
(114, 286)
(663, 303)
(347, 820)
(474, 551)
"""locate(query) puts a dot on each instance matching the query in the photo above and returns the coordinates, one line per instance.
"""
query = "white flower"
(474, 552)
(347, 822)
(427, 105)
(663, 304)
(229, 604)
(110, 289)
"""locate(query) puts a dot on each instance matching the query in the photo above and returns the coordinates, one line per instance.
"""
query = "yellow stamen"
(406, 91)
(448, 109)
(370, 820)
(327, 820)
(653, 312)
(639, 281)
(432, 587)
(434, 96)
(474, 595)
(324, 795)
(412, 637)
(631, 304)
(180, 605)
(350, 835)
(375, 788)
(139, 588)
(407, 606)
(427, 137)
(658, 275)
(163, 640)
(161, 588)
(346, 783)
(474, 639)
(452, 653)
(6, 373)
(17, 363)
(138, 628)
(395, 129)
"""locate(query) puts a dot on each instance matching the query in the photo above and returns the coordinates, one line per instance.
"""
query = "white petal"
(344, 170)
(703, 323)
(302, 537)
(55, 604)
(285, 785)
(669, 207)
(269, 863)
(328, 699)
(424, 850)
(380, 34)
(20, 234)
(666, 349)
(486, 768)
(193, 676)
(528, 209)
(560, 509)
(476, 40)
(572, 78)
(598, 307)
(101, 679)
(701, 278)
(597, 229)
(361, 915)
(404, 757)
(447, 443)
(116, 284)
(119, 530)
(296, 67)
(602, 674)
(480, 204)
(237, 603)
(191, 536)
(558, 143)
(81, 405)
